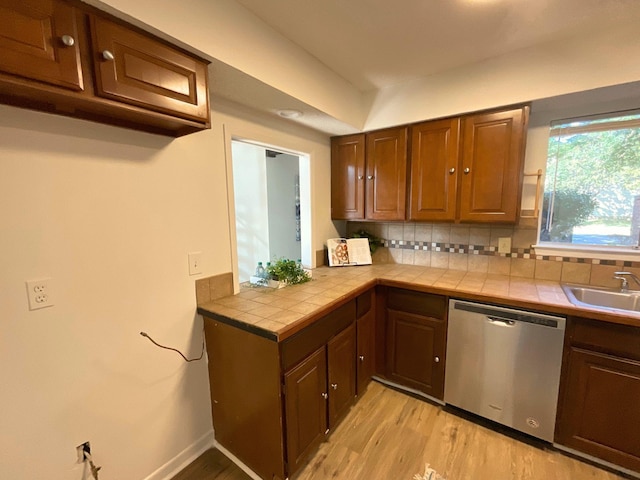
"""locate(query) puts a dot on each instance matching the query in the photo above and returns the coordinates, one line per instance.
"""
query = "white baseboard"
(184, 458)
(237, 461)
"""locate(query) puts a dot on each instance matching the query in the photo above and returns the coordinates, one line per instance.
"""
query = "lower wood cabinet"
(416, 340)
(274, 402)
(305, 390)
(366, 339)
(599, 411)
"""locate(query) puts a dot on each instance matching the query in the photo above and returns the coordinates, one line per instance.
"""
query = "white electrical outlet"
(40, 293)
(195, 260)
(504, 245)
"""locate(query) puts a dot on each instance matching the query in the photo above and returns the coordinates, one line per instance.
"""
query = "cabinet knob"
(437, 359)
(68, 40)
(370, 177)
(324, 395)
(452, 170)
(334, 386)
(361, 357)
(107, 55)
(360, 177)
(466, 170)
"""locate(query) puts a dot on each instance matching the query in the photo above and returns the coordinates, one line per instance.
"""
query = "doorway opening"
(272, 206)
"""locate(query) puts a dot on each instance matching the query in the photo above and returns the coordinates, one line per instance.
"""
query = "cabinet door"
(32, 42)
(366, 340)
(341, 353)
(600, 412)
(415, 351)
(305, 389)
(386, 174)
(434, 170)
(492, 159)
(347, 177)
(136, 69)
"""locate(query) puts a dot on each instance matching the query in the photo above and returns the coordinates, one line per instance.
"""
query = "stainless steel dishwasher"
(504, 364)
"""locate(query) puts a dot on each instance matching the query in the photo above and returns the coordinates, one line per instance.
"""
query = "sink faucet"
(625, 283)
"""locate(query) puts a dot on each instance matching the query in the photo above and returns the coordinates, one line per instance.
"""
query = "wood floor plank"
(389, 435)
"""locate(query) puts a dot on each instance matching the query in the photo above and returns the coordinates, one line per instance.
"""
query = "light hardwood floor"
(391, 435)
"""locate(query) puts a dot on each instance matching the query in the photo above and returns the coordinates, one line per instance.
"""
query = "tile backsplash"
(475, 248)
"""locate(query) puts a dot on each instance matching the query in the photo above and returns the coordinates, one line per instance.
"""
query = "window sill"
(588, 251)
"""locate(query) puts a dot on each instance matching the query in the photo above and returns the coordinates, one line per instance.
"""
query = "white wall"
(225, 30)
(110, 215)
(281, 179)
(251, 200)
(244, 124)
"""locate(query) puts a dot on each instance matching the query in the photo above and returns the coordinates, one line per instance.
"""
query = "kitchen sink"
(605, 298)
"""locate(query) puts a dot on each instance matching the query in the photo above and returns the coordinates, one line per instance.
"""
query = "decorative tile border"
(492, 250)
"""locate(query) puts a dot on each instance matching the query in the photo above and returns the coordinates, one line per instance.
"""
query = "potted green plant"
(288, 271)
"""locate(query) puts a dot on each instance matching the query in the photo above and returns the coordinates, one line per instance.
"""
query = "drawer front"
(136, 69)
(302, 344)
(620, 340)
(425, 304)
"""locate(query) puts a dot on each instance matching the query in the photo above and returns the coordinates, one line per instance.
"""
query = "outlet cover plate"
(504, 245)
(40, 293)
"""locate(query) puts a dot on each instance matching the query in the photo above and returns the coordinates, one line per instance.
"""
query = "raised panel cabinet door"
(366, 344)
(492, 161)
(347, 177)
(341, 354)
(39, 41)
(600, 411)
(305, 390)
(386, 174)
(140, 70)
(415, 351)
(434, 170)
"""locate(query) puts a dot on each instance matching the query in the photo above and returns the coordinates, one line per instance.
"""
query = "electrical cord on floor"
(144, 334)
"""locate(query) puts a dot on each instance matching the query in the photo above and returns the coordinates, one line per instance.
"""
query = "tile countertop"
(278, 314)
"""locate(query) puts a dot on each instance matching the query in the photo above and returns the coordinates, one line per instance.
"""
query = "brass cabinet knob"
(370, 177)
(107, 55)
(452, 170)
(466, 170)
(334, 386)
(68, 40)
(324, 395)
(360, 177)
(361, 357)
(437, 359)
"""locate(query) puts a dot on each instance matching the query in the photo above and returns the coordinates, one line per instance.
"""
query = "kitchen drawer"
(619, 340)
(308, 340)
(425, 304)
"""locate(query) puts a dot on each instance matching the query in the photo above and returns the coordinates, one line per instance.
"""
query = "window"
(592, 185)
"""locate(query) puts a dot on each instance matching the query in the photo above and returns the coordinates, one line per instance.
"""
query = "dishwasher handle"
(504, 321)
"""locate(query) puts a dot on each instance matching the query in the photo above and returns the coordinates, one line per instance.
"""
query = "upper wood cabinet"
(369, 175)
(347, 177)
(434, 165)
(66, 57)
(468, 169)
(136, 69)
(39, 40)
(492, 162)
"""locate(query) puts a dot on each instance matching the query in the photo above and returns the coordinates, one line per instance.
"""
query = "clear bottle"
(266, 271)
(260, 271)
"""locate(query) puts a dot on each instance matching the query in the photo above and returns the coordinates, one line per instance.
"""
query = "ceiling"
(377, 43)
